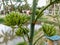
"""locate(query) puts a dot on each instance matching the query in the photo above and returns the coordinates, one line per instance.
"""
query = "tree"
(15, 18)
(33, 21)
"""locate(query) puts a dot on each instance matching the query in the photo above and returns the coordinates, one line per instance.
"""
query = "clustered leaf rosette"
(21, 31)
(16, 18)
(49, 30)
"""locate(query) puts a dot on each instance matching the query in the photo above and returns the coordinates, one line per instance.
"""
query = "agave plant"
(49, 30)
(15, 18)
(33, 21)
(22, 31)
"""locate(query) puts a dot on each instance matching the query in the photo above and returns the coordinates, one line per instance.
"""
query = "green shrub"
(16, 18)
(21, 31)
(49, 30)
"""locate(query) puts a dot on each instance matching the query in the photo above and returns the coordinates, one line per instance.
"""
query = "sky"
(40, 3)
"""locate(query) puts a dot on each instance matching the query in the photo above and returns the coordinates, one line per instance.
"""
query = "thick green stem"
(31, 34)
(50, 1)
(32, 23)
